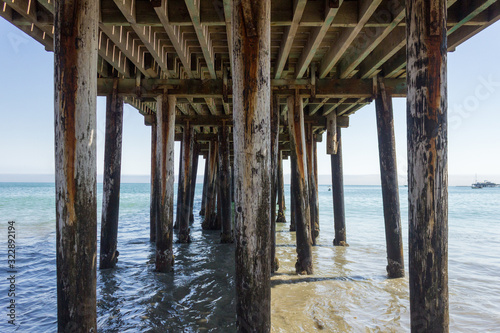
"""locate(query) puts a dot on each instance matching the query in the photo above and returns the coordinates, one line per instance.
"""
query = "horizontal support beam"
(214, 88)
(316, 121)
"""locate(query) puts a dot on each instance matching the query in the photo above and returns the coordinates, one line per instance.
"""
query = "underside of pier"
(246, 84)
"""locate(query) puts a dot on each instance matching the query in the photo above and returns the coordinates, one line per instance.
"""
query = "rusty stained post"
(218, 215)
(180, 185)
(153, 206)
(280, 190)
(194, 176)
(75, 85)
(251, 23)
(275, 129)
(210, 221)
(427, 164)
(315, 170)
(293, 186)
(184, 207)
(338, 194)
(165, 119)
(313, 194)
(232, 183)
(301, 185)
(205, 186)
(111, 181)
(224, 194)
(389, 178)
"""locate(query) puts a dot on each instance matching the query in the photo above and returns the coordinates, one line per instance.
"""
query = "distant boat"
(329, 189)
(486, 183)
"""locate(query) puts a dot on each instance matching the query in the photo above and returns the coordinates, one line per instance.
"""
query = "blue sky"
(26, 116)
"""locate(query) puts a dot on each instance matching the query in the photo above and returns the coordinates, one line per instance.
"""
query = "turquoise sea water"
(348, 293)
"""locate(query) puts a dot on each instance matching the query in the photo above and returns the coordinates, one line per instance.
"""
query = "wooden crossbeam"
(394, 11)
(31, 30)
(326, 88)
(394, 42)
(213, 121)
(329, 109)
(389, 53)
(107, 51)
(228, 11)
(147, 35)
(289, 36)
(315, 39)
(466, 32)
(348, 35)
(175, 37)
(318, 106)
(201, 31)
(473, 9)
(126, 46)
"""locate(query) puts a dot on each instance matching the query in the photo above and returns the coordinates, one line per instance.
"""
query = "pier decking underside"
(291, 70)
(327, 50)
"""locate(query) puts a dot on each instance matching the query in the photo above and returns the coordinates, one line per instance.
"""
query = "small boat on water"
(486, 183)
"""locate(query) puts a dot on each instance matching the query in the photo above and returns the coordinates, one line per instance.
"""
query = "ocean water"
(349, 291)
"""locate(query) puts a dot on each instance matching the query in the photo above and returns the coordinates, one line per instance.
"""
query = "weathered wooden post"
(315, 170)
(210, 223)
(180, 185)
(225, 185)
(184, 200)
(111, 181)
(338, 193)
(427, 164)
(293, 186)
(232, 182)
(281, 190)
(194, 177)
(389, 178)
(251, 24)
(165, 119)
(205, 187)
(301, 185)
(153, 206)
(275, 129)
(75, 85)
(313, 194)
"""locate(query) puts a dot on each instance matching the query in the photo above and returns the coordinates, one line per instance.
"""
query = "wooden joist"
(331, 88)
(188, 39)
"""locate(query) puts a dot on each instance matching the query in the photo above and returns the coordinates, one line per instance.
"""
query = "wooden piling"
(184, 206)
(275, 128)
(224, 183)
(427, 164)
(75, 85)
(218, 215)
(205, 187)
(293, 186)
(338, 194)
(153, 206)
(389, 178)
(180, 185)
(251, 38)
(280, 190)
(210, 221)
(232, 182)
(165, 119)
(313, 194)
(194, 177)
(301, 185)
(111, 182)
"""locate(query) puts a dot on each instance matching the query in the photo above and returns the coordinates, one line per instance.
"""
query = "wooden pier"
(246, 84)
